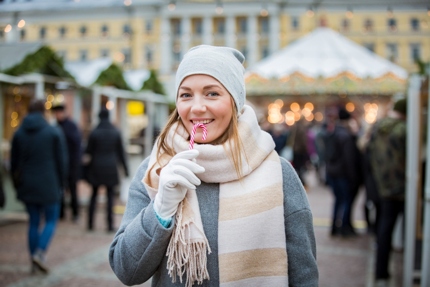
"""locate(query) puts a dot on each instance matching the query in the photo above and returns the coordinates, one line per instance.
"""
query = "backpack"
(387, 153)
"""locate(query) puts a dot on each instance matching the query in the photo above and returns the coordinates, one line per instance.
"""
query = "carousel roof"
(323, 57)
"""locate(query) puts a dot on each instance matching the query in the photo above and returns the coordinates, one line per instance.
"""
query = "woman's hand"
(175, 179)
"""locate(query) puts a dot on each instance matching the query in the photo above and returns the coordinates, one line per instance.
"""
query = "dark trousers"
(341, 190)
(390, 211)
(349, 205)
(73, 200)
(109, 207)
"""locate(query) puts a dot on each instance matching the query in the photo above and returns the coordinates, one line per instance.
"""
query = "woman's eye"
(185, 95)
(213, 94)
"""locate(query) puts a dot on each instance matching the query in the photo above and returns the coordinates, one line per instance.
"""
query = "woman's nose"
(198, 105)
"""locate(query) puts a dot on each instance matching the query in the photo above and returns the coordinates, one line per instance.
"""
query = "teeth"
(202, 122)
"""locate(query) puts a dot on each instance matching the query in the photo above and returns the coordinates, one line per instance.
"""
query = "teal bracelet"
(164, 222)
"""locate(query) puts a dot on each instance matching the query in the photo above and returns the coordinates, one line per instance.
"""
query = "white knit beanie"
(222, 63)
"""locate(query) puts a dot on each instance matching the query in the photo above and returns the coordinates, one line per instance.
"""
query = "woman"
(228, 212)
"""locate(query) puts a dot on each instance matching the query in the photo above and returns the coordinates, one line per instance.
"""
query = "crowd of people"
(204, 204)
(46, 164)
(347, 157)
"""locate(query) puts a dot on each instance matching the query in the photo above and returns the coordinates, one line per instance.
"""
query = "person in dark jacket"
(39, 168)
(105, 150)
(342, 172)
(73, 140)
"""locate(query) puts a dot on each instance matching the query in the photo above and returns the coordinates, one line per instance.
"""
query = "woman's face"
(202, 99)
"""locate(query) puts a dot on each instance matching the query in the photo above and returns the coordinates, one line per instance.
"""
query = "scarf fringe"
(184, 256)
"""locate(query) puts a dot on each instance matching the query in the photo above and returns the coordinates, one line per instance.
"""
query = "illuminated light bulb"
(319, 116)
(350, 107)
(21, 23)
(295, 107)
(8, 28)
(309, 106)
(110, 105)
(279, 102)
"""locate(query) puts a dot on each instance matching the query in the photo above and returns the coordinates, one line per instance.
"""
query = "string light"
(264, 12)
(219, 10)
(349, 14)
(8, 28)
(390, 12)
(171, 6)
(310, 12)
(21, 23)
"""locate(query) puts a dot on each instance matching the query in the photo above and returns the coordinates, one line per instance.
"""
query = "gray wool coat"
(138, 250)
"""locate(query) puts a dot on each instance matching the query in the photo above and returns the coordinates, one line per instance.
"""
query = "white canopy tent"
(324, 61)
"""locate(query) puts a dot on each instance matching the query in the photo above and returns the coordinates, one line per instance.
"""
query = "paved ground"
(79, 258)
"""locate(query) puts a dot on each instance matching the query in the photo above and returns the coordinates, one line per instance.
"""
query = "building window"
(149, 26)
(220, 26)
(368, 25)
(264, 25)
(62, 32)
(198, 27)
(149, 56)
(22, 34)
(176, 57)
(369, 46)
(83, 31)
(346, 24)
(83, 55)
(392, 24)
(244, 51)
(127, 55)
(415, 24)
(295, 23)
(104, 30)
(265, 52)
(392, 52)
(415, 52)
(42, 33)
(126, 30)
(104, 53)
(176, 27)
(243, 25)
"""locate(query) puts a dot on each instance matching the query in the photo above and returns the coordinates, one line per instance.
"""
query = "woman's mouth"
(203, 122)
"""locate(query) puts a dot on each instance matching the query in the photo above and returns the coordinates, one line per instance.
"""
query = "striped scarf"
(251, 232)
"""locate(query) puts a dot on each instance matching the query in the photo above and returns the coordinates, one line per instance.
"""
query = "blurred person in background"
(298, 140)
(387, 148)
(372, 203)
(105, 151)
(73, 140)
(343, 172)
(39, 170)
(279, 134)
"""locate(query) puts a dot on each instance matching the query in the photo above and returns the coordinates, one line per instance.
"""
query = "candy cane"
(193, 133)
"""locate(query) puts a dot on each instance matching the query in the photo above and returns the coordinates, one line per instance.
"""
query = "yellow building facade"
(155, 34)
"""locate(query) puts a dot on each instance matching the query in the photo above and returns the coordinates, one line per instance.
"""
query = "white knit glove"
(175, 178)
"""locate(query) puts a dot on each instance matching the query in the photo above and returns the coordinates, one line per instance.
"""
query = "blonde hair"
(230, 137)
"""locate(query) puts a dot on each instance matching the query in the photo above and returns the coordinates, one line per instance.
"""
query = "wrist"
(163, 221)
